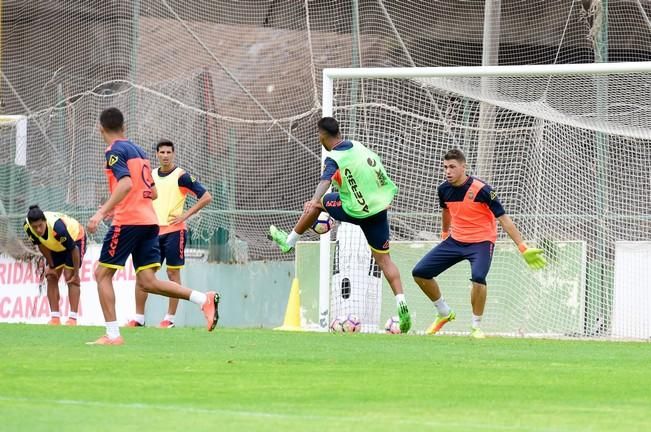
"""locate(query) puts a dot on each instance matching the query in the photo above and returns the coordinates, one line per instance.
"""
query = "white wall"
(632, 294)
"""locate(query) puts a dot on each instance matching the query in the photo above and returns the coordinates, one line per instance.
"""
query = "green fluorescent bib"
(365, 188)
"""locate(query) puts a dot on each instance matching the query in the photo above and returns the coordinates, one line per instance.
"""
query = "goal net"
(237, 86)
(568, 150)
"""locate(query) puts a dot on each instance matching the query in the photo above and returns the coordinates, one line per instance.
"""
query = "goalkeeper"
(469, 230)
(365, 193)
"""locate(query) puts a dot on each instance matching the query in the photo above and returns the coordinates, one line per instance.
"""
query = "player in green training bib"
(365, 193)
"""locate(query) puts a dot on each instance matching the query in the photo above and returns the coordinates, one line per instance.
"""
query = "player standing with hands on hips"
(469, 231)
(172, 184)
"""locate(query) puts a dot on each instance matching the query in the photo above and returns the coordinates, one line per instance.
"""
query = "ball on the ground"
(336, 325)
(392, 325)
(351, 324)
(323, 223)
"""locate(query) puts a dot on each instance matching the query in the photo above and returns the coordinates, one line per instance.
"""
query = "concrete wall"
(253, 294)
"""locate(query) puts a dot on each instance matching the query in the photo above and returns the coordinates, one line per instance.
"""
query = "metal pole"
(355, 62)
(228, 187)
(491, 71)
(59, 140)
(602, 283)
(324, 240)
(133, 67)
(490, 57)
(3, 211)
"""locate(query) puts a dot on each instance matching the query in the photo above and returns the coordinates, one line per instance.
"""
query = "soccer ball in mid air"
(351, 324)
(392, 325)
(323, 223)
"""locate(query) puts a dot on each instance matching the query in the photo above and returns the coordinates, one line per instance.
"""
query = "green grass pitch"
(261, 380)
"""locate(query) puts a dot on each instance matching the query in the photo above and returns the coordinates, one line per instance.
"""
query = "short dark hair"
(112, 120)
(329, 125)
(455, 154)
(164, 143)
(35, 214)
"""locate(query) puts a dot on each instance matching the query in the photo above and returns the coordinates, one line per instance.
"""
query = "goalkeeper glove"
(533, 257)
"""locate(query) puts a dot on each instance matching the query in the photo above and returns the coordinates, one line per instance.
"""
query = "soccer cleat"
(71, 322)
(133, 323)
(440, 322)
(476, 333)
(211, 309)
(54, 321)
(105, 340)
(166, 324)
(280, 237)
(404, 317)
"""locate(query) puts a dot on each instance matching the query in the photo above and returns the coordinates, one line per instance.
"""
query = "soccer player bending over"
(365, 193)
(172, 184)
(62, 241)
(469, 230)
(134, 230)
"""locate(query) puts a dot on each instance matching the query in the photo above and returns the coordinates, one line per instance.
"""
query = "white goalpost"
(566, 148)
(14, 128)
(13, 152)
(19, 124)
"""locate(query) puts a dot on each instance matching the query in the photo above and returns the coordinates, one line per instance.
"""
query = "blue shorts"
(172, 248)
(64, 259)
(139, 241)
(375, 228)
(449, 252)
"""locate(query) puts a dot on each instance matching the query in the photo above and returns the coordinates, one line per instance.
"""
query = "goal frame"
(20, 122)
(330, 74)
(20, 155)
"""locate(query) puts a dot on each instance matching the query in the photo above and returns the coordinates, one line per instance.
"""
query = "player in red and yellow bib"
(173, 185)
(134, 230)
(62, 241)
(469, 230)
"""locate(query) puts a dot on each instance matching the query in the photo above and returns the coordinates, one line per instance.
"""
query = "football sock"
(169, 318)
(442, 307)
(198, 298)
(112, 329)
(73, 315)
(139, 318)
(56, 314)
(292, 238)
(476, 321)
